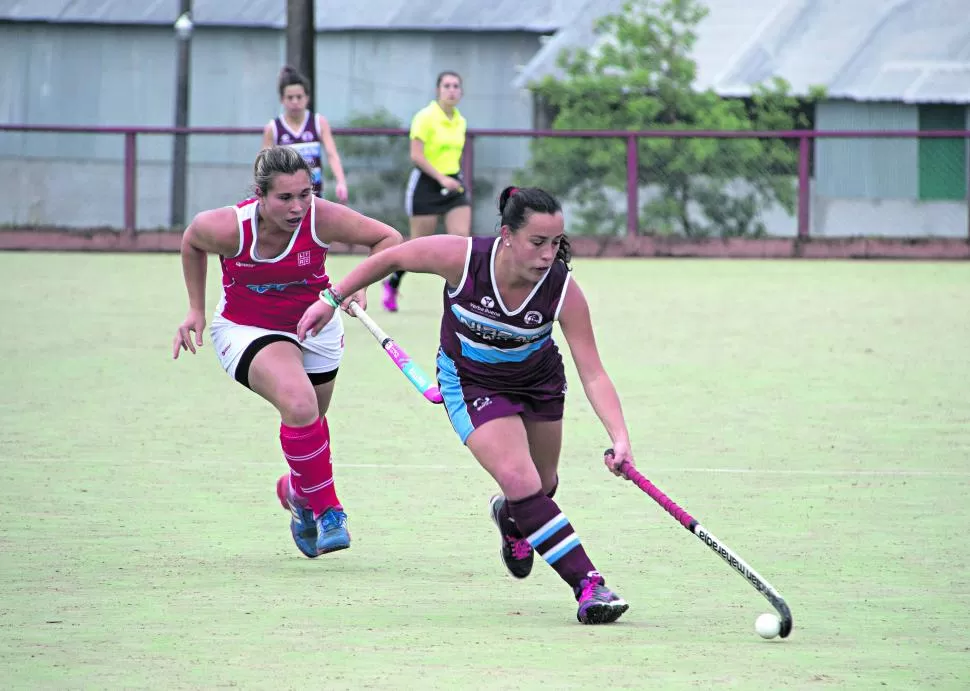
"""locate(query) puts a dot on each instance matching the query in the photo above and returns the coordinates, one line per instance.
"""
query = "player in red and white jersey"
(273, 250)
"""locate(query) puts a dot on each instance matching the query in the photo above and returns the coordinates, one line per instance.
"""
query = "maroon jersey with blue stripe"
(307, 141)
(492, 346)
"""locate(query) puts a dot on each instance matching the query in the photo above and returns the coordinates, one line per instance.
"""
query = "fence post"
(632, 186)
(804, 187)
(130, 183)
(468, 165)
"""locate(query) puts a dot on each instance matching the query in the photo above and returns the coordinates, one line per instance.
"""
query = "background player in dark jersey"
(502, 378)
(273, 251)
(435, 186)
(309, 133)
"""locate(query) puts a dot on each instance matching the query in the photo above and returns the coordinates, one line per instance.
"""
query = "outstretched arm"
(577, 327)
(338, 223)
(443, 255)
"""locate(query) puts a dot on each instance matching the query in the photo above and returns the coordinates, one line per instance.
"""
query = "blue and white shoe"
(302, 525)
(331, 531)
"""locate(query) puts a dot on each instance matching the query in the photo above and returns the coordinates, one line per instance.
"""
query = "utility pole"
(183, 34)
(300, 37)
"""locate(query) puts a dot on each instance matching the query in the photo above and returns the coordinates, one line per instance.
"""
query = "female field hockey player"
(302, 129)
(435, 186)
(273, 250)
(502, 376)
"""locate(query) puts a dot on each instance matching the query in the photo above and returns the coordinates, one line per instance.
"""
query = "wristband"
(332, 297)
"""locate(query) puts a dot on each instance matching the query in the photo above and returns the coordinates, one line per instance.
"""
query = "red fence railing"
(804, 138)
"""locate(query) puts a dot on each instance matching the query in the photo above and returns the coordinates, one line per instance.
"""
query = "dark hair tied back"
(516, 203)
(290, 77)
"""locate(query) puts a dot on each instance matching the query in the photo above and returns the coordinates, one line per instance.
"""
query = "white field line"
(886, 472)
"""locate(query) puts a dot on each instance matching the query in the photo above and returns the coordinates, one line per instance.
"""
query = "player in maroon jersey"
(502, 378)
(273, 250)
(307, 132)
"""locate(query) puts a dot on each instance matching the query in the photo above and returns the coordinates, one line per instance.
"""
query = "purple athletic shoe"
(390, 297)
(597, 604)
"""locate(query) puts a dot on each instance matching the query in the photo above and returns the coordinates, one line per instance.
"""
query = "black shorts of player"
(246, 359)
(424, 197)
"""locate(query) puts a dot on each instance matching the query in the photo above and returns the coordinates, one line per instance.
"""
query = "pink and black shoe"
(517, 553)
(390, 297)
(598, 604)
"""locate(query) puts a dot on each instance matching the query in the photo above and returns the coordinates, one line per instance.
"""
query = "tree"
(640, 76)
(380, 166)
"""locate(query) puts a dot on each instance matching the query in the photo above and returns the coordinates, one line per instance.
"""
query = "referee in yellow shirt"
(435, 186)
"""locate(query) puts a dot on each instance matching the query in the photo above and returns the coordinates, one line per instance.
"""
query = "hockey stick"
(718, 547)
(422, 382)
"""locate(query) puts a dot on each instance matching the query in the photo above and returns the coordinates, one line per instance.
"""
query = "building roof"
(915, 51)
(539, 16)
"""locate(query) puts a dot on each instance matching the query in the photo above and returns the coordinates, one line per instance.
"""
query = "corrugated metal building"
(112, 62)
(885, 65)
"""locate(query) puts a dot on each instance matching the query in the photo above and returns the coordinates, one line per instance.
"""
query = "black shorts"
(424, 197)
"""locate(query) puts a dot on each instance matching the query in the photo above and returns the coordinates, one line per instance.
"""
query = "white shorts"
(321, 353)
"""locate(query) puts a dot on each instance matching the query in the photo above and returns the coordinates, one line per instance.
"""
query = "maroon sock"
(549, 532)
(505, 519)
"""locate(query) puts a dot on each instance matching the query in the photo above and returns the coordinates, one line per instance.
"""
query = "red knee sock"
(307, 451)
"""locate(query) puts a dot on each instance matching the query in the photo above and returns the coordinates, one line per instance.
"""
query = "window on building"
(942, 162)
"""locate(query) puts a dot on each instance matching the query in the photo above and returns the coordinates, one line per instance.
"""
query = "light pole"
(183, 33)
(300, 46)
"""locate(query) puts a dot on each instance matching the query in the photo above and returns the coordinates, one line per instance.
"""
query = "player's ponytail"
(291, 77)
(516, 203)
(273, 161)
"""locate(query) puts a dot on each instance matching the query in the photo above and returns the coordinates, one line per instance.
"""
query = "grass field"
(815, 416)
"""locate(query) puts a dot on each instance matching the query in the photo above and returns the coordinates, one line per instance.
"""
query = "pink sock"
(307, 451)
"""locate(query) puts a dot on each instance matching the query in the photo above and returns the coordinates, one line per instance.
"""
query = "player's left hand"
(360, 297)
(341, 192)
(620, 454)
(316, 316)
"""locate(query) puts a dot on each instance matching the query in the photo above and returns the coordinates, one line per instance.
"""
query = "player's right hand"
(194, 322)
(315, 318)
(619, 457)
(451, 185)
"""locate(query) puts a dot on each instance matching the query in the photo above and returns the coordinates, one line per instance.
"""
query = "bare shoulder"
(328, 213)
(216, 230)
(573, 302)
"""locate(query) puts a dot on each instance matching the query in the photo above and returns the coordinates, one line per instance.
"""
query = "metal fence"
(689, 183)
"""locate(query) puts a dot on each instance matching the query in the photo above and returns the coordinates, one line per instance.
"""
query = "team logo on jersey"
(487, 302)
(285, 138)
(308, 136)
(262, 288)
(532, 318)
(303, 258)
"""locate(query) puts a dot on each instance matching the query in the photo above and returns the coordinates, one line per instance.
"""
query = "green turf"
(142, 545)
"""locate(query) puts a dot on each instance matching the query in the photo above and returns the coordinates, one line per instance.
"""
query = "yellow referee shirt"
(444, 138)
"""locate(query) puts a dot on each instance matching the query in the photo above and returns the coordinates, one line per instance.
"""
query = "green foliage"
(377, 169)
(640, 76)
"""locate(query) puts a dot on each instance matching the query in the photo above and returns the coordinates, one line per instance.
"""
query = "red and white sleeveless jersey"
(272, 292)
